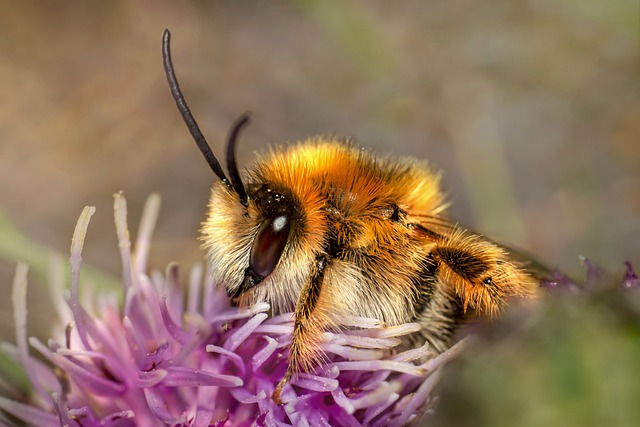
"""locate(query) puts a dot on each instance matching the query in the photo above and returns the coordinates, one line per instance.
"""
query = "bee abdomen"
(437, 309)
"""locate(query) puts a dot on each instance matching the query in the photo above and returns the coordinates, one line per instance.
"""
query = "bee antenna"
(232, 167)
(188, 118)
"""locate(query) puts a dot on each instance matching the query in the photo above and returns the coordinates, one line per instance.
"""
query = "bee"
(327, 230)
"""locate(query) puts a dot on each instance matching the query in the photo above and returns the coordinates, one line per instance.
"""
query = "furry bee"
(329, 230)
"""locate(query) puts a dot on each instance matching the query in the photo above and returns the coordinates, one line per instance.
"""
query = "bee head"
(267, 221)
(274, 226)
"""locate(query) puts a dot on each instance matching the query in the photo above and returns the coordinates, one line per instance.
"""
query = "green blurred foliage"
(16, 246)
(576, 362)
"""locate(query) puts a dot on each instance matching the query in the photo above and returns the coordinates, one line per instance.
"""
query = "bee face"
(254, 251)
(330, 231)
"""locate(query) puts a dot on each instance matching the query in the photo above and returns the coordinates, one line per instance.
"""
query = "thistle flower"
(165, 357)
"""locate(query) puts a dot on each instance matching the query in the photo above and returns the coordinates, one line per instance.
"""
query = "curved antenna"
(193, 127)
(232, 167)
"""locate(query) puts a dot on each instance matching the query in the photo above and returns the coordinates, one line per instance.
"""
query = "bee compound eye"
(269, 244)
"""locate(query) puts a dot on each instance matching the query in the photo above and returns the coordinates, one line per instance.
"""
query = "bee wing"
(530, 264)
(438, 228)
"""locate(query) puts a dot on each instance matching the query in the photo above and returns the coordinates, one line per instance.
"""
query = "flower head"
(162, 356)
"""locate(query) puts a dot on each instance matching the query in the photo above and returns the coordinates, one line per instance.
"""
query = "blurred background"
(530, 109)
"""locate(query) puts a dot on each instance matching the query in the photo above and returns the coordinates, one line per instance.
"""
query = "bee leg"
(310, 319)
(480, 272)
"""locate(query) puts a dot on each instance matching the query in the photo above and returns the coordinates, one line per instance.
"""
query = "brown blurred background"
(531, 110)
